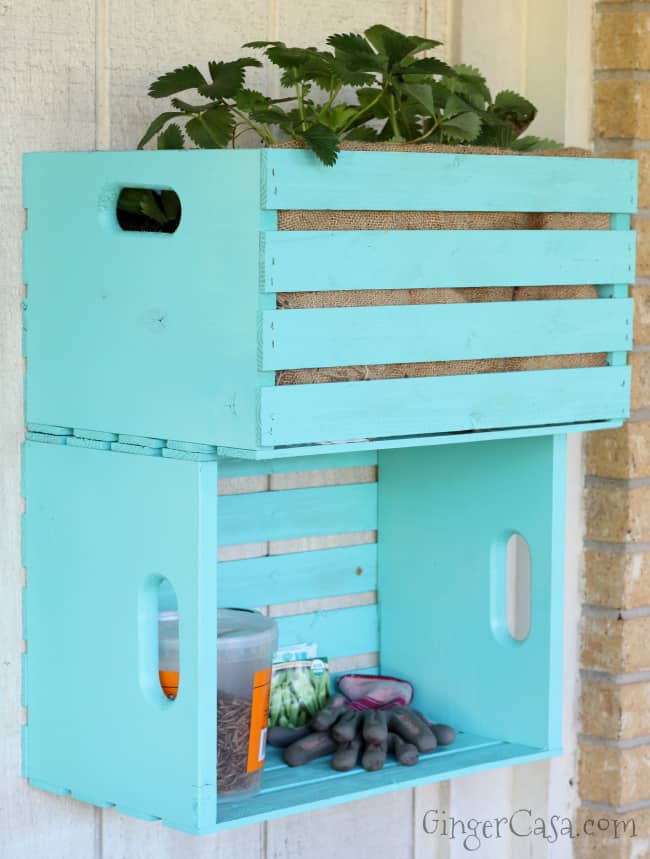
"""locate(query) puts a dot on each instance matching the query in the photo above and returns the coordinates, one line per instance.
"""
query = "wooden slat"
(426, 181)
(244, 468)
(375, 259)
(314, 786)
(298, 576)
(342, 632)
(296, 414)
(286, 514)
(336, 337)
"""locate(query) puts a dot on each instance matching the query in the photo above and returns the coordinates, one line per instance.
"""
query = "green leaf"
(531, 144)
(363, 133)
(426, 66)
(261, 44)
(212, 129)
(156, 125)
(456, 105)
(350, 43)
(129, 199)
(149, 208)
(171, 138)
(227, 78)
(396, 46)
(464, 127)
(469, 81)
(171, 205)
(423, 95)
(186, 107)
(323, 142)
(187, 77)
(515, 109)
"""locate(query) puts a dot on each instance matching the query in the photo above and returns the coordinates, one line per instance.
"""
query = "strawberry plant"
(380, 86)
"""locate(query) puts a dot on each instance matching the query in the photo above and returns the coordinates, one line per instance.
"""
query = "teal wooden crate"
(102, 528)
(177, 338)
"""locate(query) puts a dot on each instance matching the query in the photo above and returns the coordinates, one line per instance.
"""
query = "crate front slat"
(298, 414)
(316, 260)
(336, 337)
(283, 515)
(450, 182)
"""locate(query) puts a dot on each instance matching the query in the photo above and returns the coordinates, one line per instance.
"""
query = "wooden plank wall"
(75, 75)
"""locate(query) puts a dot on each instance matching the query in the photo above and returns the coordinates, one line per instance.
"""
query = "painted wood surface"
(299, 413)
(153, 328)
(376, 259)
(456, 183)
(92, 671)
(336, 337)
(54, 102)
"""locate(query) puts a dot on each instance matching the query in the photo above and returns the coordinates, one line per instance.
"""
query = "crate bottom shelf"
(287, 790)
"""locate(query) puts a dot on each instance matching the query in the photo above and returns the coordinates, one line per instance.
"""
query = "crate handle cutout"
(149, 210)
(510, 589)
(156, 600)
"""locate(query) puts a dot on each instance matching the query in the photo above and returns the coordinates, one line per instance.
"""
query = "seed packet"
(299, 689)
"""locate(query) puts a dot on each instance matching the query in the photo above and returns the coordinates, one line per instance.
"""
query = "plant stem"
(436, 125)
(301, 104)
(263, 132)
(393, 116)
(363, 110)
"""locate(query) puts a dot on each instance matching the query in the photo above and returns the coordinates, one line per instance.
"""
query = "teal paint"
(424, 259)
(150, 319)
(339, 337)
(397, 407)
(455, 183)
(162, 347)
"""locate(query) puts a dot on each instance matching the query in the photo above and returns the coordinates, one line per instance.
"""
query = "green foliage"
(379, 86)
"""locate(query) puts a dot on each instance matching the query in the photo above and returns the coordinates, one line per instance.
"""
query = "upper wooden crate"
(177, 336)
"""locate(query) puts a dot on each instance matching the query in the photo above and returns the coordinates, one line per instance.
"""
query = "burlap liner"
(411, 220)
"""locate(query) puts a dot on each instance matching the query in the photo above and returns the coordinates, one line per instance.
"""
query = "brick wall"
(614, 770)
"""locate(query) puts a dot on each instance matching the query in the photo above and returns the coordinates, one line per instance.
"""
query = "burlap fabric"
(410, 220)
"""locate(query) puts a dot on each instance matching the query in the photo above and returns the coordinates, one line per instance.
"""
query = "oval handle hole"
(158, 636)
(518, 584)
(148, 210)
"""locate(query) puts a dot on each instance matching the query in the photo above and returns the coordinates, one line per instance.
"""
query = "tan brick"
(641, 296)
(617, 580)
(640, 394)
(614, 776)
(622, 40)
(642, 226)
(621, 109)
(622, 453)
(605, 835)
(616, 646)
(618, 514)
(615, 711)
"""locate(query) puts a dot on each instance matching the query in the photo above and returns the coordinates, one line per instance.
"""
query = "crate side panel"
(337, 337)
(298, 414)
(445, 516)
(130, 331)
(426, 181)
(445, 258)
(99, 725)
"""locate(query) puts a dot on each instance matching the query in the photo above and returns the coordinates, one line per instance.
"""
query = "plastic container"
(246, 641)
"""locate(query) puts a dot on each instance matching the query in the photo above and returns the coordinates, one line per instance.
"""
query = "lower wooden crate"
(418, 591)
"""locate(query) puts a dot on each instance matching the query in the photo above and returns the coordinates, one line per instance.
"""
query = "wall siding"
(76, 74)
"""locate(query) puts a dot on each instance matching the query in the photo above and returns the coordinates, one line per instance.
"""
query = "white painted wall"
(73, 75)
